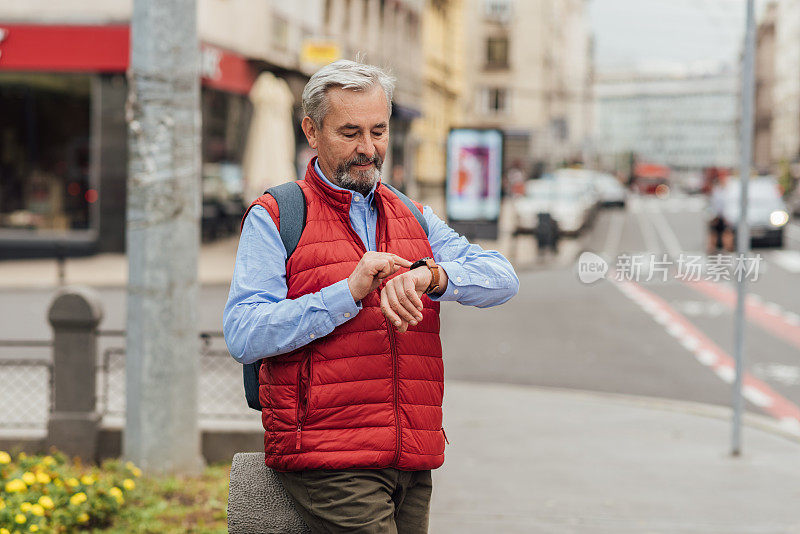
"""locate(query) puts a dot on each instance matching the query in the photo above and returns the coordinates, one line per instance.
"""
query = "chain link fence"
(221, 393)
(26, 385)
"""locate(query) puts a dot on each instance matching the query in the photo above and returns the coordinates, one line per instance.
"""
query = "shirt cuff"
(339, 302)
(456, 280)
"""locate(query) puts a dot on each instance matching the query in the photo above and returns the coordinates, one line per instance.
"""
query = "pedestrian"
(347, 329)
(720, 232)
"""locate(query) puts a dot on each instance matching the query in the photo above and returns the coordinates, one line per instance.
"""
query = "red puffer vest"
(364, 396)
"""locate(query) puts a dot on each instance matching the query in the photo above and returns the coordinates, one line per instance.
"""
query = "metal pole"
(743, 229)
(163, 238)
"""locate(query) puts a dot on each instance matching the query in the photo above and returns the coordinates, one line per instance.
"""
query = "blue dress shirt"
(259, 321)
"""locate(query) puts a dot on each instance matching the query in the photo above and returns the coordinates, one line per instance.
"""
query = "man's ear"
(310, 129)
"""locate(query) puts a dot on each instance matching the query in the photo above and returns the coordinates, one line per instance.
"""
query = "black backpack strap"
(292, 221)
(410, 205)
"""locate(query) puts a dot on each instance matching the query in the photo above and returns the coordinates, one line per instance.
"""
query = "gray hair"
(352, 75)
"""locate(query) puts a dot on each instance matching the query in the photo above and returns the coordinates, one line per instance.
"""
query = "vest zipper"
(445, 436)
(303, 392)
(396, 387)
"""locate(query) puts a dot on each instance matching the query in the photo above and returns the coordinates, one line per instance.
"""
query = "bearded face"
(352, 140)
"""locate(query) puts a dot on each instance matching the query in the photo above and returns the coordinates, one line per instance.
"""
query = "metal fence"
(26, 385)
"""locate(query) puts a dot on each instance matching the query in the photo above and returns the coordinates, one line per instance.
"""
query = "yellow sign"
(320, 52)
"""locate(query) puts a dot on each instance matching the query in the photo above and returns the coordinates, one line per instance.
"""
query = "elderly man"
(347, 326)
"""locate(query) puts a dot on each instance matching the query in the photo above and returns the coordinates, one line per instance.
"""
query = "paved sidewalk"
(525, 459)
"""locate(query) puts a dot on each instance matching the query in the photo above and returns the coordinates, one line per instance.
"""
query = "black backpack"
(292, 221)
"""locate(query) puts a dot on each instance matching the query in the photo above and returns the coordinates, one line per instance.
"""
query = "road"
(661, 337)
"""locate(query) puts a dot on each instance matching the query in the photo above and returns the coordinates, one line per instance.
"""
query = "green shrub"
(50, 494)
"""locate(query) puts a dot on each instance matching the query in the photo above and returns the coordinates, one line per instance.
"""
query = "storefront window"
(226, 119)
(44, 152)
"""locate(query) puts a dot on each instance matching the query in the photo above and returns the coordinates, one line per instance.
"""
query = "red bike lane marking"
(773, 322)
(713, 356)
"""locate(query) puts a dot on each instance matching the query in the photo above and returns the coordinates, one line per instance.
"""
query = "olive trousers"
(363, 501)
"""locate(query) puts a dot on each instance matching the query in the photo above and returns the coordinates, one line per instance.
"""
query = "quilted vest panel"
(364, 396)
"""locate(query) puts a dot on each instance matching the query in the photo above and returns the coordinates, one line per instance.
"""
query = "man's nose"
(366, 147)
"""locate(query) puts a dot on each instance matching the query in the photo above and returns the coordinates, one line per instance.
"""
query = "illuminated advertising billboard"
(474, 173)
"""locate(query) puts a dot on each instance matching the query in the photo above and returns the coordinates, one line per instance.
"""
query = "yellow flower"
(46, 502)
(25, 507)
(77, 499)
(4, 531)
(115, 492)
(33, 528)
(22, 456)
(58, 482)
(4, 457)
(15, 485)
(83, 517)
(73, 482)
(128, 484)
(29, 478)
(20, 518)
(87, 480)
(42, 478)
(48, 460)
(2, 505)
(37, 510)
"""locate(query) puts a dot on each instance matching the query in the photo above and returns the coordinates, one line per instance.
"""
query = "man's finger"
(411, 293)
(397, 306)
(402, 262)
(390, 315)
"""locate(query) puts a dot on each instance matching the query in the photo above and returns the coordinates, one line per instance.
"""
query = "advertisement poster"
(474, 172)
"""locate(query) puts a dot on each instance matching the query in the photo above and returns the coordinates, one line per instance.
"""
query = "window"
(497, 10)
(497, 53)
(494, 100)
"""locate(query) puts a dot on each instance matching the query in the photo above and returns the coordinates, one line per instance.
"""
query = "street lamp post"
(163, 238)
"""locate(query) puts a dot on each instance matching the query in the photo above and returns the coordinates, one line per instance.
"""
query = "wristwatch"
(433, 287)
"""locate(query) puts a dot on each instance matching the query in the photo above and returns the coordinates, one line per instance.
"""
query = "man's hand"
(401, 298)
(373, 268)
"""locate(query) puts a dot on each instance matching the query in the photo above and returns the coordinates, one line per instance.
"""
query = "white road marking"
(667, 234)
(727, 374)
(756, 396)
(706, 357)
(648, 232)
(690, 343)
(614, 236)
(786, 259)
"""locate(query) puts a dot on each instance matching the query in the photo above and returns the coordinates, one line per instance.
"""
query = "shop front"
(63, 138)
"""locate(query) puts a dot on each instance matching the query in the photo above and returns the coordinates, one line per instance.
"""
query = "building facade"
(529, 73)
(685, 121)
(786, 90)
(443, 41)
(63, 137)
(764, 86)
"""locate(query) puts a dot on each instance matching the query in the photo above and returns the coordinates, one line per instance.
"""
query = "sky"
(658, 35)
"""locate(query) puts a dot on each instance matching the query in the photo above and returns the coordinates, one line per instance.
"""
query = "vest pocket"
(304, 378)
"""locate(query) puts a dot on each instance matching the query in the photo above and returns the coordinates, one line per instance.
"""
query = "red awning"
(58, 48)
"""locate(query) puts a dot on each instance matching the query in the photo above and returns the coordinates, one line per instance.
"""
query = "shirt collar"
(369, 197)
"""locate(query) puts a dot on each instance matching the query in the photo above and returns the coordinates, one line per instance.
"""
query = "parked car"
(612, 193)
(567, 202)
(767, 214)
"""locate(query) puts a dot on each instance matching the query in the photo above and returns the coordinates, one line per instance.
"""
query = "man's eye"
(350, 135)
(377, 134)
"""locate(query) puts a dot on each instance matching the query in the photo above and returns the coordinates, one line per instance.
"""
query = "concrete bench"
(257, 502)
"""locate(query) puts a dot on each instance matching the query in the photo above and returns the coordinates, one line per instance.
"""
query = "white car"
(766, 212)
(566, 201)
(612, 193)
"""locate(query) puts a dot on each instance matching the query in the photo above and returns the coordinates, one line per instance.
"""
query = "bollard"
(257, 502)
(73, 423)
